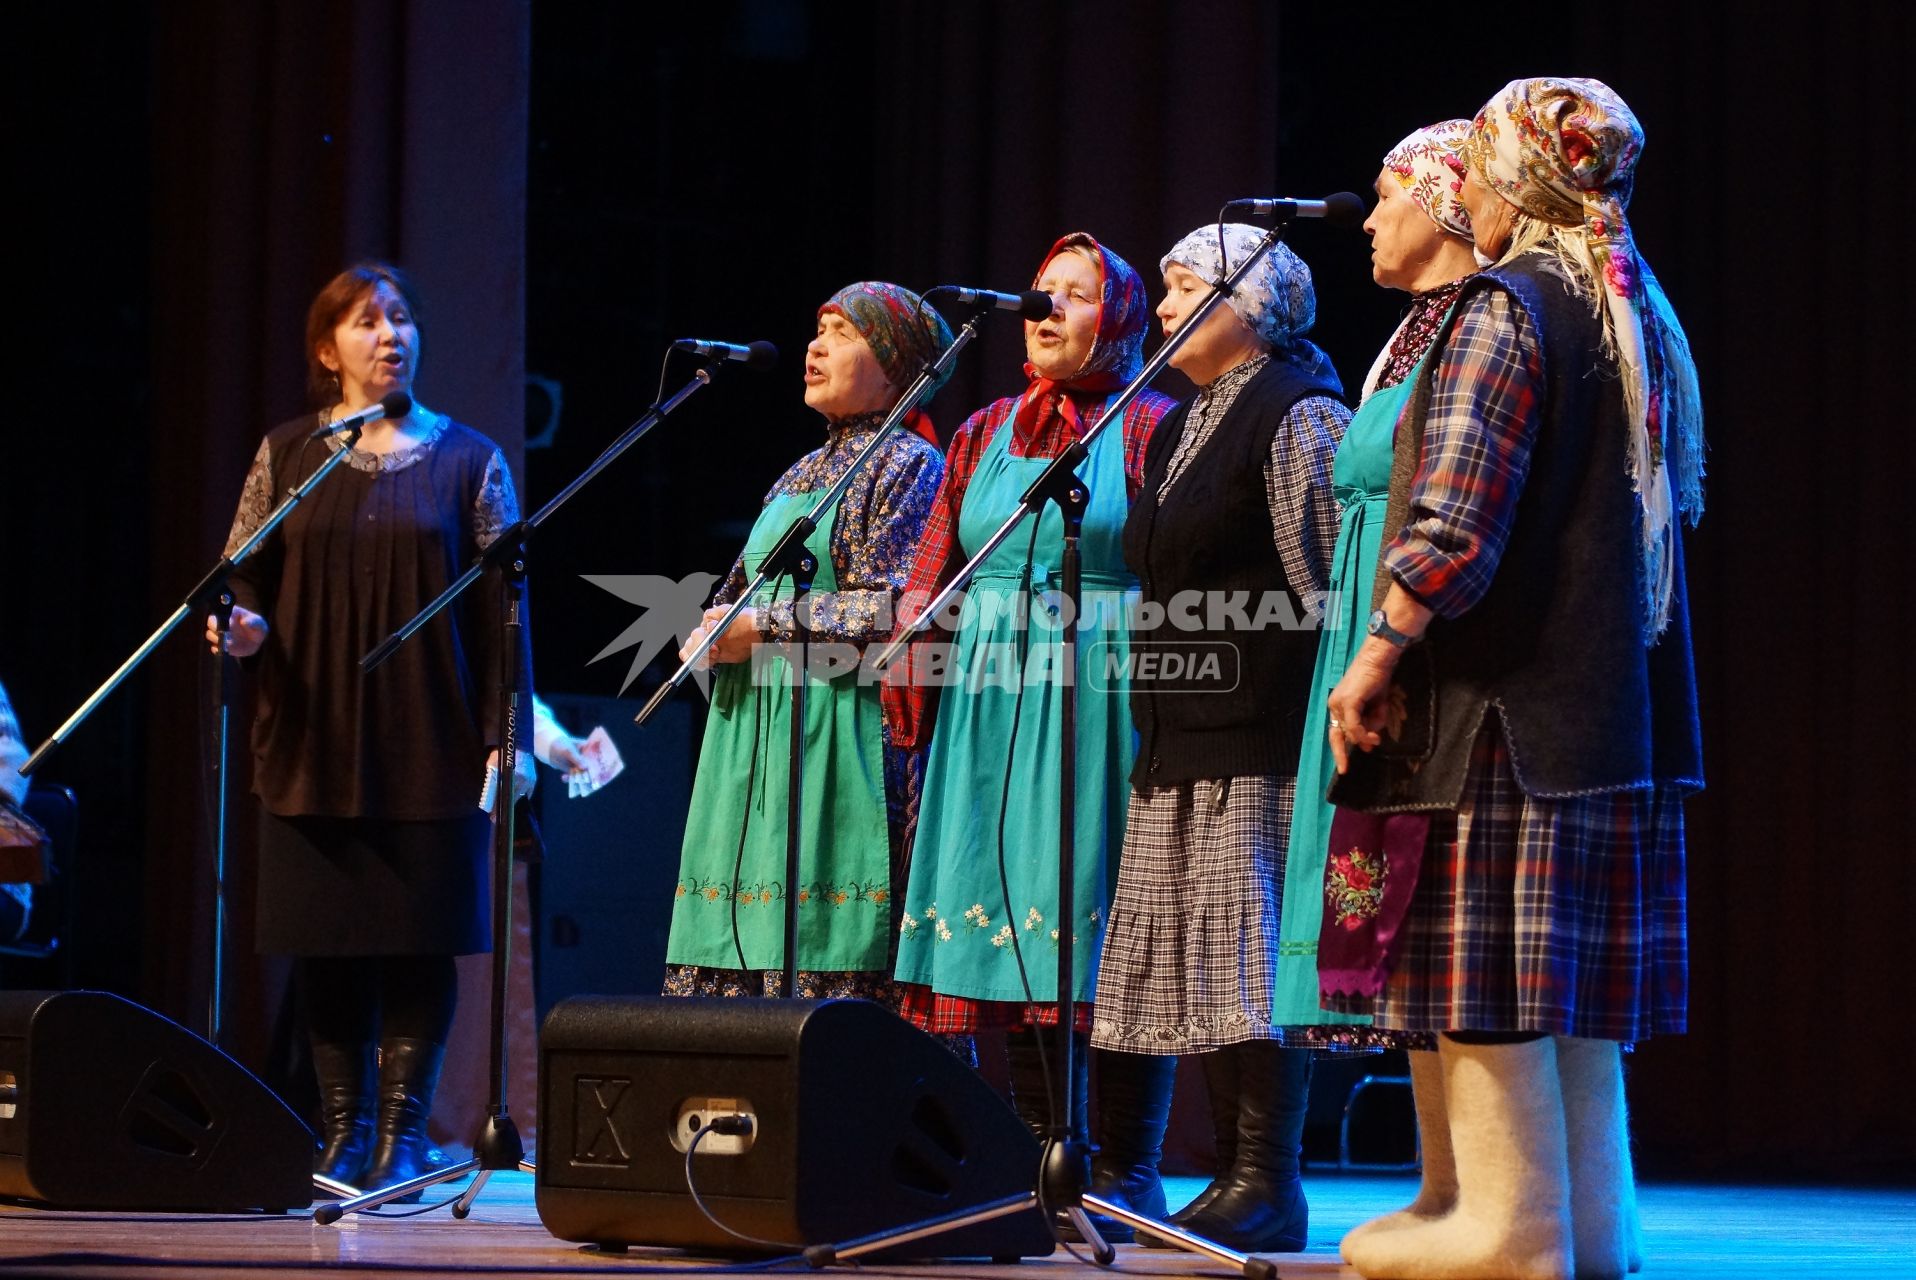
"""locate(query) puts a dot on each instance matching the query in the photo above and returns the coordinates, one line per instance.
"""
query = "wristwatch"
(1381, 628)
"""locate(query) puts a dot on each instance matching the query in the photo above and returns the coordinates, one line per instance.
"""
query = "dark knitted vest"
(1223, 698)
(1556, 643)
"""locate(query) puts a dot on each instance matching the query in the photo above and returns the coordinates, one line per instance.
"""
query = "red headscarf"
(1117, 346)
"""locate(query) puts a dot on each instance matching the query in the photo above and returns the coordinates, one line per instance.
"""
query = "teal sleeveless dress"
(728, 910)
(957, 929)
(1361, 480)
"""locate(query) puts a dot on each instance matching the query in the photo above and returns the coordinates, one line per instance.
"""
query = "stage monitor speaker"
(107, 1105)
(860, 1123)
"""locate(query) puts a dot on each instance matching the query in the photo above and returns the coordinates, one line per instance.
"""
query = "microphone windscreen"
(1344, 210)
(763, 355)
(397, 405)
(1034, 304)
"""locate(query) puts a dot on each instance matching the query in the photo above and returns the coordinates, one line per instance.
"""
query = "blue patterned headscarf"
(1275, 300)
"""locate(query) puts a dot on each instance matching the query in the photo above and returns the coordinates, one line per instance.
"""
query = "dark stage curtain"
(290, 140)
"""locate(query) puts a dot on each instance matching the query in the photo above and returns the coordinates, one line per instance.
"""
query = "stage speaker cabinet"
(859, 1123)
(107, 1105)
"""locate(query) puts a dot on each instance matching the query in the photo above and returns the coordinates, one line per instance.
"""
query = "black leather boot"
(1134, 1105)
(345, 1073)
(1029, 1096)
(1220, 1084)
(408, 1075)
(1259, 1206)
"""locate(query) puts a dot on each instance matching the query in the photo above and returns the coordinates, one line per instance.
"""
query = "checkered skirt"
(1191, 943)
(1566, 917)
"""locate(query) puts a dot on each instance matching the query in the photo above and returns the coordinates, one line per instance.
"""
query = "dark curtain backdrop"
(621, 175)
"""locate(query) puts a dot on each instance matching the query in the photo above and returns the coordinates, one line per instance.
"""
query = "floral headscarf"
(1564, 151)
(903, 333)
(1117, 347)
(1274, 299)
(1429, 165)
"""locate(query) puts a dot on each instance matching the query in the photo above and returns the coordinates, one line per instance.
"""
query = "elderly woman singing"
(728, 909)
(1236, 514)
(978, 950)
(1420, 243)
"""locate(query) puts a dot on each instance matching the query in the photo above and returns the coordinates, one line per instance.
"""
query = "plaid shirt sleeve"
(1483, 421)
(1297, 484)
(908, 702)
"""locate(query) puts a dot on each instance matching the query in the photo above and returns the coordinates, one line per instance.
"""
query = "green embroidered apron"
(1361, 479)
(737, 818)
(957, 928)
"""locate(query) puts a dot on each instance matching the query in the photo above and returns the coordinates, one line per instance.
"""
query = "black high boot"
(1029, 1096)
(408, 1075)
(1134, 1106)
(1260, 1208)
(1220, 1084)
(345, 1073)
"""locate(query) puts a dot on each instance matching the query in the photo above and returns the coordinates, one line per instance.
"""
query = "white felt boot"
(1512, 1217)
(1603, 1198)
(1438, 1191)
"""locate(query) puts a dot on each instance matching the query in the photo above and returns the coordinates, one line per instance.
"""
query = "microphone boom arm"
(513, 536)
(803, 527)
(202, 594)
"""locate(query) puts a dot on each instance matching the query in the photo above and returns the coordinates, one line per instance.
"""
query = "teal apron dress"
(732, 867)
(957, 928)
(1360, 478)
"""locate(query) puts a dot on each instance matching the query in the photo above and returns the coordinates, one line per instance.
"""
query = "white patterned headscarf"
(1564, 151)
(1274, 300)
(1429, 165)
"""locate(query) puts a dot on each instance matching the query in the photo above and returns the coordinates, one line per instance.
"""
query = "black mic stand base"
(1246, 1264)
(498, 1148)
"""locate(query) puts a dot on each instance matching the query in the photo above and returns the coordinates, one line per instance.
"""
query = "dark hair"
(341, 294)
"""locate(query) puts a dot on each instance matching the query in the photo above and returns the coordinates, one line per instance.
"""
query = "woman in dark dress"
(373, 869)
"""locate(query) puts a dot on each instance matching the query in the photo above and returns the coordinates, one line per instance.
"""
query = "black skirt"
(373, 887)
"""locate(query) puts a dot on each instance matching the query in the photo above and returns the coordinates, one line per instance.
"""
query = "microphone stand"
(790, 556)
(1065, 1167)
(498, 1145)
(209, 593)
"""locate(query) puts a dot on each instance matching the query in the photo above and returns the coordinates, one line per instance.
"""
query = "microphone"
(1032, 304)
(1342, 209)
(753, 355)
(396, 405)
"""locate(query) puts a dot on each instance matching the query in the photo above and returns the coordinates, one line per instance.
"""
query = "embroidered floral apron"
(957, 929)
(738, 814)
(1361, 479)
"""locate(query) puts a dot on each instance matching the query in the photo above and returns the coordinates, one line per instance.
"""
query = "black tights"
(357, 999)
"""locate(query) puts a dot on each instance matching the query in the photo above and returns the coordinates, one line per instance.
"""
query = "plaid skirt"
(1192, 940)
(1566, 917)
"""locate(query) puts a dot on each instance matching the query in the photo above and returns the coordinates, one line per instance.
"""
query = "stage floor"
(1721, 1232)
